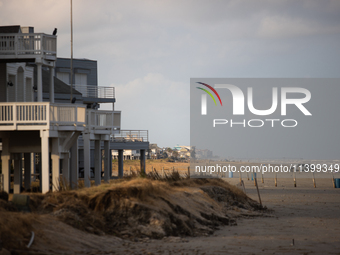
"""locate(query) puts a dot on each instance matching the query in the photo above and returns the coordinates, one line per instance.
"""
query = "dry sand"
(306, 214)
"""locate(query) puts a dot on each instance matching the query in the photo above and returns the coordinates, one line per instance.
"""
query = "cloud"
(155, 103)
(283, 27)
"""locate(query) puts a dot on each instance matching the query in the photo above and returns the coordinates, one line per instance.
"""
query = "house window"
(65, 77)
(80, 79)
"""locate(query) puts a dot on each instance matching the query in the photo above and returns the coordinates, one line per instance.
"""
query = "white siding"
(29, 90)
(19, 74)
(20, 85)
(11, 89)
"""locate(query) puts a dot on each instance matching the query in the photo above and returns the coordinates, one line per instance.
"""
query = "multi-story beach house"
(47, 129)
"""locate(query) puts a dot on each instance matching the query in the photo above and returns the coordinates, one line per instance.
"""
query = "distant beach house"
(154, 151)
(183, 151)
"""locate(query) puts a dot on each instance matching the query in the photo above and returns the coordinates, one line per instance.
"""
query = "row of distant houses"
(155, 152)
(178, 152)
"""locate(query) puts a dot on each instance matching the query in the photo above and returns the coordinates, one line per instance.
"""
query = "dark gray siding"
(3, 82)
(86, 66)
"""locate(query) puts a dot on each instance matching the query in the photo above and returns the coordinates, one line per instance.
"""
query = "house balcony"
(96, 94)
(131, 136)
(103, 122)
(42, 116)
(57, 117)
(130, 140)
(32, 47)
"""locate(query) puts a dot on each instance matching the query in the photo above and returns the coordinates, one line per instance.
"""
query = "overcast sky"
(149, 50)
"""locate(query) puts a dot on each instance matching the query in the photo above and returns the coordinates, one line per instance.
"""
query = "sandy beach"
(307, 215)
(301, 220)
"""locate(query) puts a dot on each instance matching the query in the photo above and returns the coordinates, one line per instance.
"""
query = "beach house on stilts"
(46, 133)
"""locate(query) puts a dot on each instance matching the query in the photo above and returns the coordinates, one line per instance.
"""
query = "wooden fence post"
(244, 188)
(258, 192)
(333, 181)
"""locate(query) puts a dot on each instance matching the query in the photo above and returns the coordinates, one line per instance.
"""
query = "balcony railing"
(131, 136)
(32, 116)
(93, 91)
(36, 116)
(28, 46)
(103, 120)
(68, 114)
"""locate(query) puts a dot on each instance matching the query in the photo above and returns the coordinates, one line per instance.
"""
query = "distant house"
(128, 154)
(183, 151)
(203, 154)
(154, 151)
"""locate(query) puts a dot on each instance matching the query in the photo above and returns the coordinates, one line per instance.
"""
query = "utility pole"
(71, 67)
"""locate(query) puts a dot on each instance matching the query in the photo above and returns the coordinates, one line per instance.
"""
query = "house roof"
(78, 59)
(184, 150)
(10, 29)
(153, 146)
(60, 87)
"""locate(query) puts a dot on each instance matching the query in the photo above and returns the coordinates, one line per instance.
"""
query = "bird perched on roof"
(55, 31)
